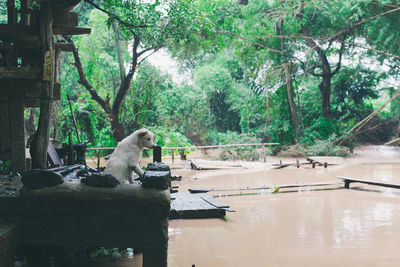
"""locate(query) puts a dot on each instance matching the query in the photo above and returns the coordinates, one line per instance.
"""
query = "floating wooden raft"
(349, 180)
(189, 206)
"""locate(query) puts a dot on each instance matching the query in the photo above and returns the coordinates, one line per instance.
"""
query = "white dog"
(126, 155)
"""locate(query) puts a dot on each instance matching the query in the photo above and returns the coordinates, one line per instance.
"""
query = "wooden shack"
(67, 214)
(29, 58)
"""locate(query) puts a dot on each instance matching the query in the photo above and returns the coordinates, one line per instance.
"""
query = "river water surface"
(329, 226)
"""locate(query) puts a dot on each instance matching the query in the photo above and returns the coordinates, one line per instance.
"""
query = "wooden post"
(157, 154)
(346, 184)
(39, 159)
(98, 160)
(297, 163)
(325, 164)
(264, 153)
(313, 164)
(17, 133)
(12, 18)
(4, 129)
(173, 156)
(183, 156)
(25, 12)
(70, 150)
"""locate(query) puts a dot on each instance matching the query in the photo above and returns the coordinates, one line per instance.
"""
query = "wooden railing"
(182, 149)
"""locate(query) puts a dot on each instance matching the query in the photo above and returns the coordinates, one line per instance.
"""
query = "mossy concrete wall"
(73, 214)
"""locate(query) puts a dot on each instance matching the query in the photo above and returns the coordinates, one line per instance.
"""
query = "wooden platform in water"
(348, 180)
(195, 206)
(320, 160)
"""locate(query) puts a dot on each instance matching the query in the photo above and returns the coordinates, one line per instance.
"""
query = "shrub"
(248, 153)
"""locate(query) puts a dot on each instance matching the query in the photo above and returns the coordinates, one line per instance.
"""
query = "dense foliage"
(290, 72)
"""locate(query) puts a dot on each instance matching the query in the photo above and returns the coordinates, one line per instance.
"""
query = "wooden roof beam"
(64, 30)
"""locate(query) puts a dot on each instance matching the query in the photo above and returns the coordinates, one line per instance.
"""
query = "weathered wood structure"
(29, 59)
(195, 206)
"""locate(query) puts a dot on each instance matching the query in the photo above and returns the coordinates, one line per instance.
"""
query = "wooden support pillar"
(12, 14)
(173, 156)
(346, 184)
(157, 154)
(39, 157)
(264, 153)
(25, 18)
(5, 148)
(17, 133)
(98, 160)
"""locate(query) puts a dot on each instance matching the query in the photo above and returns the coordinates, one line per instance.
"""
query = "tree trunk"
(288, 82)
(118, 45)
(325, 88)
(293, 110)
(113, 112)
(41, 141)
(117, 128)
(325, 85)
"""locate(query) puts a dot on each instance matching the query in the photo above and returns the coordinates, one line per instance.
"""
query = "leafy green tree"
(146, 26)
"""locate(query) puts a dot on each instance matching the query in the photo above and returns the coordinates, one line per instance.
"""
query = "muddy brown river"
(330, 226)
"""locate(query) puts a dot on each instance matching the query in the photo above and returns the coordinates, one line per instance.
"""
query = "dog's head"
(146, 138)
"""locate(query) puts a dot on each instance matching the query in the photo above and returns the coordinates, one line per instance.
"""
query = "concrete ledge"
(73, 214)
(79, 199)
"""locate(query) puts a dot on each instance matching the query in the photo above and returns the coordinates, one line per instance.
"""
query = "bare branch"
(82, 77)
(341, 51)
(245, 39)
(154, 51)
(126, 82)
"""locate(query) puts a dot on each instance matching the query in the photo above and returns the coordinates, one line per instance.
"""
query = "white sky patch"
(167, 64)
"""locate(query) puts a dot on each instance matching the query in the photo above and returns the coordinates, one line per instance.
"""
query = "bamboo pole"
(271, 187)
(73, 118)
(194, 147)
(361, 124)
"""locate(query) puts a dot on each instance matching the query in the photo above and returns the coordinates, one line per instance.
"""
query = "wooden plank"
(204, 190)
(66, 18)
(214, 202)
(349, 180)
(65, 30)
(189, 206)
(23, 36)
(20, 73)
(53, 155)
